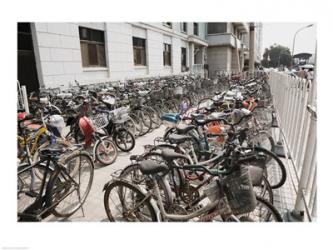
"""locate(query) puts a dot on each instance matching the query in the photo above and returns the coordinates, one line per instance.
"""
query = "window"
(196, 29)
(183, 27)
(92, 47)
(139, 51)
(216, 28)
(167, 55)
(183, 59)
(169, 24)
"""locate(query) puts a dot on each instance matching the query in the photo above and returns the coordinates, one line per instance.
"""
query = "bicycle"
(216, 200)
(66, 183)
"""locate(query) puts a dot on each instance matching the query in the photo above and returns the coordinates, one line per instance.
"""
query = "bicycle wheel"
(126, 202)
(262, 139)
(138, 125)
(133, 174)
(264, 190)
(28, 186)
(263, 212)
(146, 121)
(130, 126)
(156, 121)
(124, 140)
(68, 189)
(106, 151)
(264, 116)
(275, 170)
(273, 167)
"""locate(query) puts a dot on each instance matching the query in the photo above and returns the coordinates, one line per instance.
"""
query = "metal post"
(292, 56)
(252, 38)
(25, 99)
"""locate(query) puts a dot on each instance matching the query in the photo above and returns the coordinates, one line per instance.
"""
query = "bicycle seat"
(33, 127)
(53, 149)
(177, 139)
(170, 155)
(135, 157)
(217, 92)
(183, 128)
(152, 167)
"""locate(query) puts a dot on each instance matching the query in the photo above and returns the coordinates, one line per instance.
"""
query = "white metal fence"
(295, 104)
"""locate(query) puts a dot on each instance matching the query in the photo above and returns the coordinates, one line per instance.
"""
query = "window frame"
(166, 45)
(183, 67)
(96, 44)
(196, 25)
(216, 33)
(182, 27)
(139, 48)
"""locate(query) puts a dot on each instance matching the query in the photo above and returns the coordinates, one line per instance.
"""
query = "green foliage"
(276, 56)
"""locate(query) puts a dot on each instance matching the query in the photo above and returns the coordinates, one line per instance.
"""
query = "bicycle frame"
(40, 200)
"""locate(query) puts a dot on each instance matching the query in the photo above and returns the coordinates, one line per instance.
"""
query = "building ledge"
(95, 69)
(197, 40)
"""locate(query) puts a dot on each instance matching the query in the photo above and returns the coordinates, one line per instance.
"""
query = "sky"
(283, 34)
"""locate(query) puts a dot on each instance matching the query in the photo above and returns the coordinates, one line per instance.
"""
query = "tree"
(276, 56)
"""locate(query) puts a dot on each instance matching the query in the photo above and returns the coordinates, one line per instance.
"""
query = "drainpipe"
(252, 47)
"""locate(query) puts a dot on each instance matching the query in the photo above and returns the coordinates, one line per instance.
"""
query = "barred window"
(92, 47)
(139, 51)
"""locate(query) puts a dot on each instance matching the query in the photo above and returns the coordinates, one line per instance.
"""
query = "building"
(60, 53)
(226, 46)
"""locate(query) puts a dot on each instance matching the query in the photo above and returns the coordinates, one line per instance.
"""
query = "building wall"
(59, 53)
(219, 58)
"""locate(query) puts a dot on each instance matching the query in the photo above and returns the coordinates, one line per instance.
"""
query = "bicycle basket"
(239, 191)
(119, 115)
(100, 120)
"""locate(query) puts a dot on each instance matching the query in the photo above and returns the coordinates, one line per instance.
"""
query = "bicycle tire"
(138, 178)
(111, 145)
(137, 193)
(273, 212)
(119, 136)
(274, 161)
(58, 183)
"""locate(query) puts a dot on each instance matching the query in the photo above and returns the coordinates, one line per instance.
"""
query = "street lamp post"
(292, 56)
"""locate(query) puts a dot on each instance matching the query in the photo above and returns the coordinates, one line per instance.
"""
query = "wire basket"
(119, 115)
(238, 189)
(100, 120)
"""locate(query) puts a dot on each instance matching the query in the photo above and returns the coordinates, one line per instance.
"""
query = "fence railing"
(294, 100)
